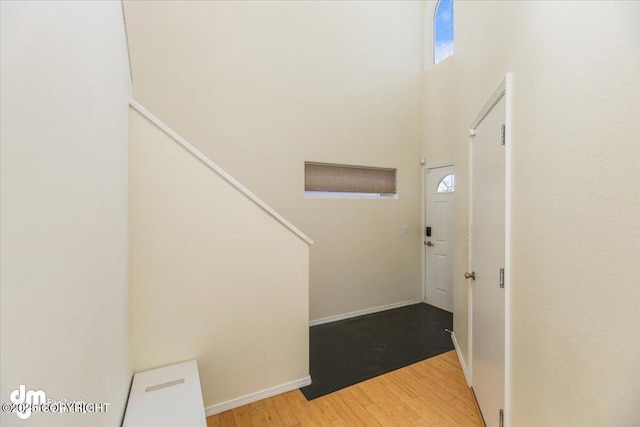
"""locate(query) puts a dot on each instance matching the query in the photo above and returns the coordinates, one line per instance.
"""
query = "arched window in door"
(446, 184)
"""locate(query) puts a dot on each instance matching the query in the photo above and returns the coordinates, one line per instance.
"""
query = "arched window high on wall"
(443, 30)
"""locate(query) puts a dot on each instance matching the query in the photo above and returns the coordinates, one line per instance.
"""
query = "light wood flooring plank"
(226, 419)
(430, 393)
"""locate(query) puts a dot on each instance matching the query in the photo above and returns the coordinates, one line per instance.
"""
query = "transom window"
(446, 184)
(443, 30)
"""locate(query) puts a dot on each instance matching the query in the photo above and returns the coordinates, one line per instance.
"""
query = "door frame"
(424, 170)
(504, 90)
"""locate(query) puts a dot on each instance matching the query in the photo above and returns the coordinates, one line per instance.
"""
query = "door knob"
(429, 243)
(471, 275)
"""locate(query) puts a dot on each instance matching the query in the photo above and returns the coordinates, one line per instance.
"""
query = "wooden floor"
(429, 393)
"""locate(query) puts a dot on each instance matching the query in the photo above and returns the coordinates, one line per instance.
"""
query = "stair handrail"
(217, 169)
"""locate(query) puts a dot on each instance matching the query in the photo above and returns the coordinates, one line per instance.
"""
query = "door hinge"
(502, 133)
(502, 278)
(501, 419)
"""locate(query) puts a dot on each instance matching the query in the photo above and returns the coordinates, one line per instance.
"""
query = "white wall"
(213, 277)
(260, 87)
(576, 195)
(64, 273)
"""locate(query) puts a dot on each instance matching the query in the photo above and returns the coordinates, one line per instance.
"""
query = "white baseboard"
(462, 362)
(362, 312)
(258, 395)
(437, 306)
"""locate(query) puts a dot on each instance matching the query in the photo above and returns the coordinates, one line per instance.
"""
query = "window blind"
(351, 179)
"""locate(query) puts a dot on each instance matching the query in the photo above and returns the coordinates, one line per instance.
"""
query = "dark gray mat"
(350, 351)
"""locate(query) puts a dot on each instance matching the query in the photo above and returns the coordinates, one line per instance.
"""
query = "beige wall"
(260, 87)
(576, 195)
(213, 276)
(64, 273)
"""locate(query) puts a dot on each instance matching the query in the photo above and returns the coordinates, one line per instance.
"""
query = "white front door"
(487, 258)
(438, 237)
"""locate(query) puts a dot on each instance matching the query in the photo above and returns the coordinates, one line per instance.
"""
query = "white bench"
(166, 397)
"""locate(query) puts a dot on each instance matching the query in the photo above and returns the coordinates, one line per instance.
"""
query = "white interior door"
(487, 258)
(438, 239)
